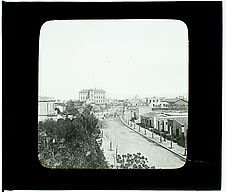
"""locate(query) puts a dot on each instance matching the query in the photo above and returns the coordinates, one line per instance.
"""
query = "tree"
(132, 161)
(58, 110)
(71, 143)
(70, 108)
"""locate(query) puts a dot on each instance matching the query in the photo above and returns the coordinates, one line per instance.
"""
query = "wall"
(176, 126)
(46, 108)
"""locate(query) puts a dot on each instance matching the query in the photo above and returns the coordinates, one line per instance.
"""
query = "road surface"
(117, 136)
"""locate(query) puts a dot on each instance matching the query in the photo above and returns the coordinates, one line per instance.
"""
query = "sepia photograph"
(113, 94)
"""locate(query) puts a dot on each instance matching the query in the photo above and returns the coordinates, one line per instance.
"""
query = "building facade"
(46, 108)
(92, 95)
(165, 121)
(179, 126)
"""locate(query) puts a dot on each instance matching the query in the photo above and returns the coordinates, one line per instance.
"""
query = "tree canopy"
(70, 108)
(71, 143)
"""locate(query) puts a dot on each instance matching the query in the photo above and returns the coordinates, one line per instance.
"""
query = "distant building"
(135, 112)
(160, 103)
(46, 108)
(92, 95)
(156, 102)
(177, 103)
(136, 101)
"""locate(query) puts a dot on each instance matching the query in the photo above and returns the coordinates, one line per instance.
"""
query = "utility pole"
(160, 134)
(110, 145)
(171, 138)
(116, 152)
(185, 139)
(152, 135)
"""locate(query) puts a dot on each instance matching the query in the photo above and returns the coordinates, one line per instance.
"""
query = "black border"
(21, 26)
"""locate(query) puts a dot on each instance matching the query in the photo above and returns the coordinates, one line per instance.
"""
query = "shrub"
(181, 141)
(132, 161)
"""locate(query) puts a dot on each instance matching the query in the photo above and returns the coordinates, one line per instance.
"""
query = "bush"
(156, 131)
(181, 141)
(168, 136)
(132, 161)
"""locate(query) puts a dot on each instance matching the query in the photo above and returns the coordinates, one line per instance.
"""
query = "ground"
(117, 138)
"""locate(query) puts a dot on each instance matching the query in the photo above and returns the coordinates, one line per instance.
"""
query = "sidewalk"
(176, 149)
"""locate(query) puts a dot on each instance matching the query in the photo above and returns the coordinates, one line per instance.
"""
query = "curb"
(178, 155)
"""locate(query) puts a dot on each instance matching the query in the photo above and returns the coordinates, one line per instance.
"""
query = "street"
(118, 137)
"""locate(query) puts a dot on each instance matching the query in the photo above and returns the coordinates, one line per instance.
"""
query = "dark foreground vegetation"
(71, 143)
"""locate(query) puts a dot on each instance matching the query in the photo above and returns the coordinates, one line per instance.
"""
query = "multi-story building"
(92, 95)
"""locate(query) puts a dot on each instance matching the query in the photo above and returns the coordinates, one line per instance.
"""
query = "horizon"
(160, 96)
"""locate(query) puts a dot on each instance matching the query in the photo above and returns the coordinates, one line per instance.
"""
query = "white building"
(46, 108)
(156, 102)
(92, 95)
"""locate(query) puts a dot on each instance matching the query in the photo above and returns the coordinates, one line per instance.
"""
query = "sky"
(124, 57)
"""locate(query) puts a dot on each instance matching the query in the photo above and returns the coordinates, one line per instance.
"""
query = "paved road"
(128, 141)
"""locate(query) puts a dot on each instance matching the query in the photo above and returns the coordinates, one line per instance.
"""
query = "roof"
(149, 114)
(159, 98)
(171, 100)
(182, 100)
(60, 104)
(176, 114)
(95, 90)
(174, 100)
(181, 120)
(42, 98)
(84, 90)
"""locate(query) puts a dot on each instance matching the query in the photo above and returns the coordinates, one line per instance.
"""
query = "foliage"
(70, 108)
(181, 141)
(58, 111)
(71, 143)
(132, 161)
